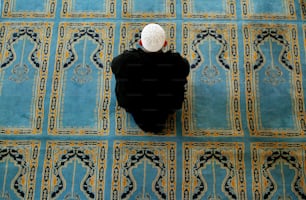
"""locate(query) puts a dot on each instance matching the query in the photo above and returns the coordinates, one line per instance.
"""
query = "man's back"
(150, 80)
(150, 83)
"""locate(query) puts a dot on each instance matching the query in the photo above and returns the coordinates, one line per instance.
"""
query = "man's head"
(153, 38)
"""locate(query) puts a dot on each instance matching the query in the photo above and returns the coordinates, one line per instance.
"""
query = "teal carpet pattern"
(241, 132)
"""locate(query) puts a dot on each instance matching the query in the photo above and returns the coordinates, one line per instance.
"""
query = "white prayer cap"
(153, 37)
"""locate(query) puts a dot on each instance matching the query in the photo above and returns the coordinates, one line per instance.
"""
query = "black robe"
(150, 86)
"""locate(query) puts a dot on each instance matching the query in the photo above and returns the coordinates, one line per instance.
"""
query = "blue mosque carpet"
(241, 132)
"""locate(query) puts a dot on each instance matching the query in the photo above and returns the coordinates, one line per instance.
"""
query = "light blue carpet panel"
(241, 132)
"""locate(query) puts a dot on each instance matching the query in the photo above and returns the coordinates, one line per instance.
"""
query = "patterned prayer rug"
(241, 132)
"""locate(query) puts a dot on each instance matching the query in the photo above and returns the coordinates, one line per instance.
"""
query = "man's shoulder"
(176, 56)
(132, 52)
(171, 52)
(128, 54)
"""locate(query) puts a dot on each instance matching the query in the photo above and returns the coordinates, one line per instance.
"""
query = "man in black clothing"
(150, 83)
